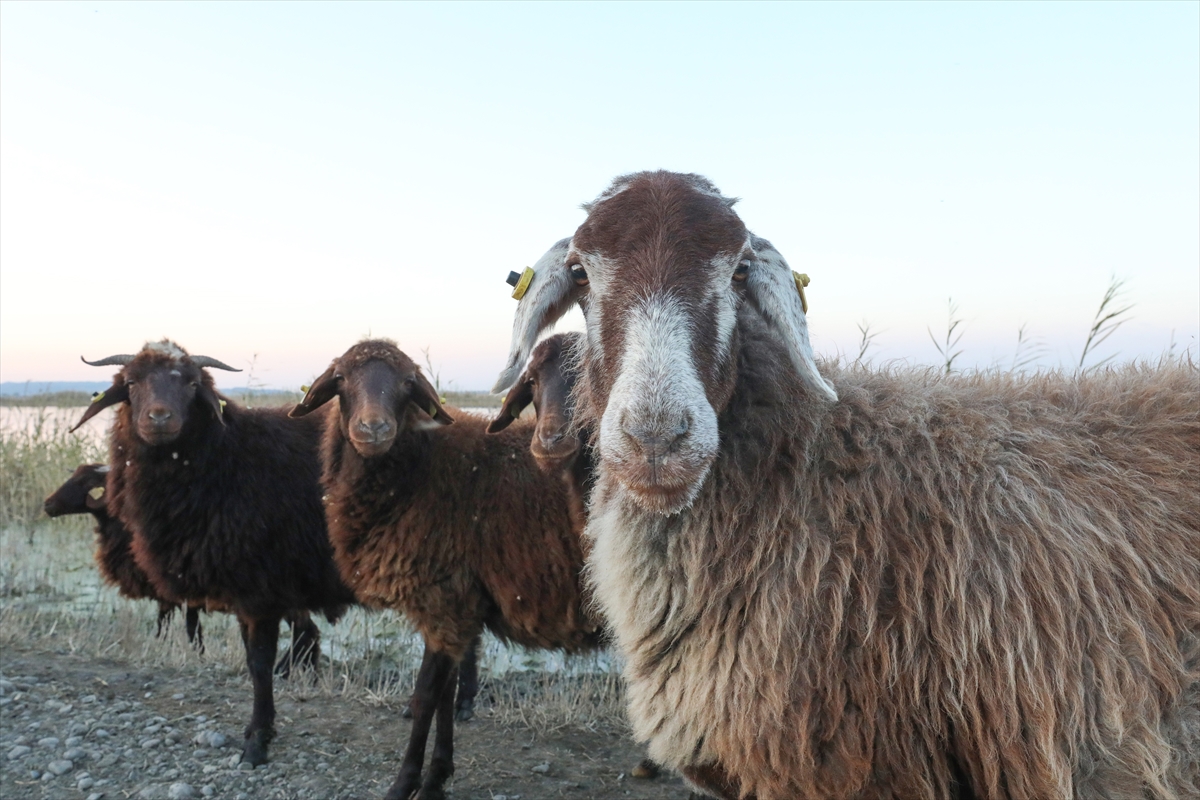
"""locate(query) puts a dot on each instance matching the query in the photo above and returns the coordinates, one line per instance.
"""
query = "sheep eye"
(739, 274)
(580, 276)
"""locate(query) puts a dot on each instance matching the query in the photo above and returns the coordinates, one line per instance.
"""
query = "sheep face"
(163, 385)
(375, 384)
(662, 268)
(548, 383)
(81, 493)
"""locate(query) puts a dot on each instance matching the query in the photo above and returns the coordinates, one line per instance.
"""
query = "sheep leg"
(261, 637)
(468, 684)
(713, 780)
(433, 681)
(165, 612)
(305, 649)
(194, 633)
(441, 763)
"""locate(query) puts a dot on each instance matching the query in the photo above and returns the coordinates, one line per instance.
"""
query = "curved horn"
(206, 361)
(548, 297)
(120, 360)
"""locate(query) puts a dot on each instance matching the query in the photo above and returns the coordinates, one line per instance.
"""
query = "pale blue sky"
(281, 179)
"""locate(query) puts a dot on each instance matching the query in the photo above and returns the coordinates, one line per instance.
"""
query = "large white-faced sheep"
(224, 507)
(871, 584)
(457, 529)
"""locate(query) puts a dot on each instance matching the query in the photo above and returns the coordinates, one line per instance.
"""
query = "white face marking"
(166, 348)
(658, 393)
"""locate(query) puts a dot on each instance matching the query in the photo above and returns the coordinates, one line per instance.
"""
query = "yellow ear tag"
(97, 397)
(304, 388)
(801, 282)
(96, 493)
(433, 409)
(523, 284)
(222, 402)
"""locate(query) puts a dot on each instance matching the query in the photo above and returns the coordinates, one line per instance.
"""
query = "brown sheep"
(224, 506)
(871, 584)
(458, 530)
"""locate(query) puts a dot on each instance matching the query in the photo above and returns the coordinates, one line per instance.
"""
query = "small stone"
(149, 744)
(108, 761)
(177, 696)
(234, 760)
(101, 733)
(217, 740)
(49, 741)
(87, 701)
(84, 784)
(35, 773)
(245, 766)
(78, 728)
(181, 791)
(207, 790)
(60, 767)
(541, 769)
(153, 728)
(210, 769)
(20, 751)
(73, 741)
(75, 754)
(95, 796)
(199, 752)
(242, 796)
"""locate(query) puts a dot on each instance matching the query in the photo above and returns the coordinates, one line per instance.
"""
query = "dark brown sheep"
(849, 583)
(83, 493)
(458, 530)
(224, 506)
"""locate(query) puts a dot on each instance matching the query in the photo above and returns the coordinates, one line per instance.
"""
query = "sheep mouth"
(372, 447)
(555, 455)
(662, 499)
(156, 437)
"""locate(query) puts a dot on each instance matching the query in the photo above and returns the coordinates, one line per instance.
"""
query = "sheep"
(560, 446)
(457, 529)
(855, 583)
(224, 507)
(83, 493)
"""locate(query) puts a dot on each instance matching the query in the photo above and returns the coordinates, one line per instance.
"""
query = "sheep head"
(547, 382)
(162, 384)
(375, 384)
(81, 493)
(662, 267)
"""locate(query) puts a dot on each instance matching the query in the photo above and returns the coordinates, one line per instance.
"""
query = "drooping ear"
(771, 287)
(515, 402)
(210, 398)
(323, 389)
(425, 397)
(548, 297)
(117, 393)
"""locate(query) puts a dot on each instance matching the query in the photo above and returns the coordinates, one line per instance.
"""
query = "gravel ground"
(72, 727)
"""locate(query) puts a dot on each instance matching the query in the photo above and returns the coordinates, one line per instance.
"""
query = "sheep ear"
(425, 397)
(323, 389)
(117, 393)
(773, 290)
(518, 398)
(209, 397)
(547, 298)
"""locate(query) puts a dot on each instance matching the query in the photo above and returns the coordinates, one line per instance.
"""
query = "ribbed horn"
(206, 361)
(120, 360)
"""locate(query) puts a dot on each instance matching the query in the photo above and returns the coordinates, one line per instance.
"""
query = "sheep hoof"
(465, 713)
(646, 770)
(431, 793)
(254, 751)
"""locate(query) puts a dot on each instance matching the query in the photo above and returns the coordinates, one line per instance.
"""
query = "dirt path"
(81, 728)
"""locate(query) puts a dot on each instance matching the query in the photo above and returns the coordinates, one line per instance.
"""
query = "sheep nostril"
(159, 416)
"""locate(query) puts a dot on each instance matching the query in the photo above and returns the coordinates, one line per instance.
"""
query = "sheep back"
(229, 516)
(937, 582)
(452, 525)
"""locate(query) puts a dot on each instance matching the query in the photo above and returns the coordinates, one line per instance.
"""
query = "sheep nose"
(376, 427)
(159, 416)
(656, 440)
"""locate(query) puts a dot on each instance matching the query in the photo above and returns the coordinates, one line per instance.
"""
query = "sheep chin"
(372, 449)
(662, 499)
